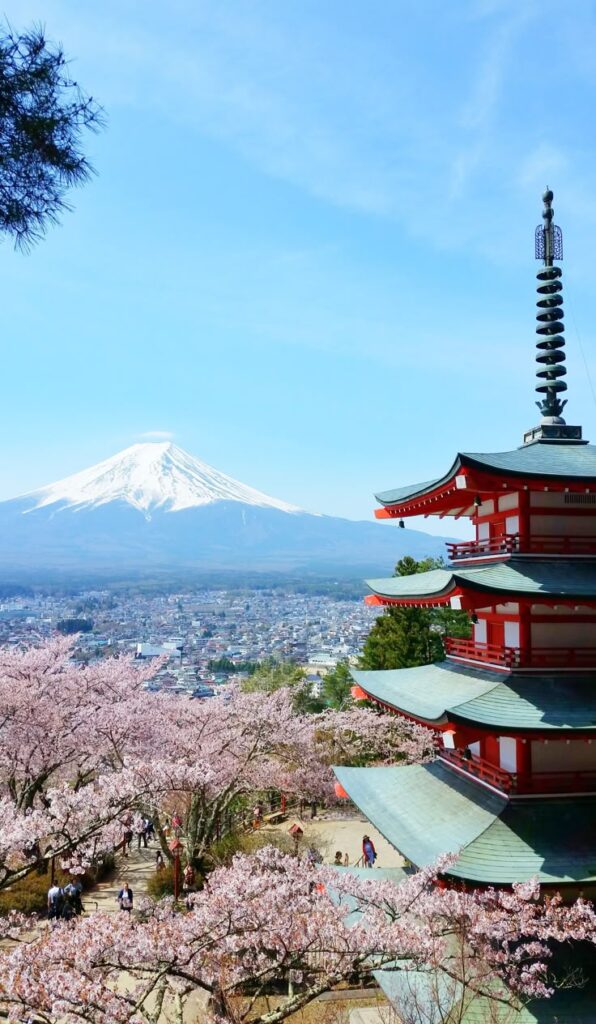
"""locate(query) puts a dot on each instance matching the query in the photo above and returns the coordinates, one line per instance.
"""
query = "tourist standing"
(125, 897)
(369, 853)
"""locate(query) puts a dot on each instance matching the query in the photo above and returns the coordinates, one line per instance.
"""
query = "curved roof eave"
(543, 460)
(512, 703)
(428, 810)
(417, 490)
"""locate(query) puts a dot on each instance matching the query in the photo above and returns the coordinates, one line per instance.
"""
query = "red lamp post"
(175, 847)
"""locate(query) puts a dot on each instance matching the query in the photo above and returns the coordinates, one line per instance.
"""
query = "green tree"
(43, 114)
(406, 637)
(337, 685)
(273, 675)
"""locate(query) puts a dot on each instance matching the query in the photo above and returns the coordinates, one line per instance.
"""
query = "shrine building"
(513, 788)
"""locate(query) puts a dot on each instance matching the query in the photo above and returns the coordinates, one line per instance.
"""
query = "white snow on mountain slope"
(148, 476)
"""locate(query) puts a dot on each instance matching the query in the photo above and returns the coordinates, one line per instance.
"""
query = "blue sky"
(308, 252)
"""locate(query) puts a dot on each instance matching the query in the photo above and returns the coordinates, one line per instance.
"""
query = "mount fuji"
(155, 507)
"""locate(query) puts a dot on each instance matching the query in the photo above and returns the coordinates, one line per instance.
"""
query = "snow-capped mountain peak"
(150, 476)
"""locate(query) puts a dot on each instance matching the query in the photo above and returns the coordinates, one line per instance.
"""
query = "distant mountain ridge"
(155, 506)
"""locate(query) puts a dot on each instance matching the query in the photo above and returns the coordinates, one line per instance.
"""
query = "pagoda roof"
(517, 577)
(428, 810)
(512, 703)
(542, 459)
(434, 995)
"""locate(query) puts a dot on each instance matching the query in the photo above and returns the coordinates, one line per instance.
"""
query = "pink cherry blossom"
(268, 917)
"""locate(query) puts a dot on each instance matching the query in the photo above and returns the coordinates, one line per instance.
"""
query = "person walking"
(159, 862)
(72, 893)
(125, 897)
(369, 853)
(141, 832)
(55, 902)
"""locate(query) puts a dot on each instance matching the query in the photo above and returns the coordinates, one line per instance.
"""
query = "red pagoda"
(513, 788)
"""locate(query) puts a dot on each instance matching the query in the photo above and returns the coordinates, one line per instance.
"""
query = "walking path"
(136, 869)
(329, 833)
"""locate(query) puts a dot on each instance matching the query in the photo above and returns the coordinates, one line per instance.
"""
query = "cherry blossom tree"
(270, 919)
(78, 747)
(81, 747)
(254, 742)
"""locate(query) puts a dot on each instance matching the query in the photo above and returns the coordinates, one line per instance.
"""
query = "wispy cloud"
(156, 435)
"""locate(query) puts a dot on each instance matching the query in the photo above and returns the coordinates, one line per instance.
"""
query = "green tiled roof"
(511, 703)
(422, 810)
(542, 459)
(428, 691)
(434, 995)
(427, 810)
(517, 576)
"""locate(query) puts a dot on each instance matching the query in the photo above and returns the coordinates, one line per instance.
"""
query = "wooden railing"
(485, 654)
(512, 657)
(513, 784)
(505, 545)
(480, 769)
(511, 543)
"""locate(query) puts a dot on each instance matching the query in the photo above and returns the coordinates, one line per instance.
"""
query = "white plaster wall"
(512, 524)
(480, 631)
(475, 748)
(508, 501)
(483, 531)
(508, 753)
(512, 634)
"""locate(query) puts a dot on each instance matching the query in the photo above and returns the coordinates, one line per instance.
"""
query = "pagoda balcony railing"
(505, 545)
(478, 768)
(484, 654)
(514, 784)
(511, 543)
(513, 658)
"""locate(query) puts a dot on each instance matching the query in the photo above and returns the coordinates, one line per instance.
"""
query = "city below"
(206, 637)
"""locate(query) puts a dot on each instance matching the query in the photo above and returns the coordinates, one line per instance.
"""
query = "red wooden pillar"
(525, 634)
(524, 520)
(491, 750)
(524, 758)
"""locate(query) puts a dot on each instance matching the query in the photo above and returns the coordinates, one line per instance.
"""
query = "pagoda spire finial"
(550, 342)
